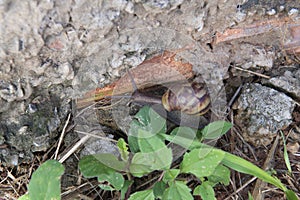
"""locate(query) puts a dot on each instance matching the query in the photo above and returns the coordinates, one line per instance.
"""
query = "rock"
(15, 90)
(20, 33)
(32, 128)
(288, 82)
(59, 73)
(251, 56)
(262, 112)
(96, 145)
(159, 6)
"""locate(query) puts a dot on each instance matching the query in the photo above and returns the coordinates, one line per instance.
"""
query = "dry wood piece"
(160, 69)
(289, 28)
(293, 46)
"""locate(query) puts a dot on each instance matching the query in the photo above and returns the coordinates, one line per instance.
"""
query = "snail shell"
(191, 99)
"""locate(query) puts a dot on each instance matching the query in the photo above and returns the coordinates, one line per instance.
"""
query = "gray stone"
(288, 82)
(262, 112)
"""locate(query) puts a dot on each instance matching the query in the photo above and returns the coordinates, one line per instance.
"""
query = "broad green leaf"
(143, 163)
(220, 175)
(183, 136)
(205, 190)
(200, 162)
(139, 169)
(215, 129)
(151, 144)
(123, 149)
(133, 144)
(145, 195)
(177, 191)
(147, 117)
(107, 159)
(143, 116)
(98, 166)
(170, 175)
(147, 123)
(24, 197)
(158, 189)
(125, 187)
(45, 181)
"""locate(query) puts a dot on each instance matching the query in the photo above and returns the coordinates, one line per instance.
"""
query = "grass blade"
(285, 155)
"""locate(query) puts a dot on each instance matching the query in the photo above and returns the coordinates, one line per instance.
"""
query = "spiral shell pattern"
(191, 99)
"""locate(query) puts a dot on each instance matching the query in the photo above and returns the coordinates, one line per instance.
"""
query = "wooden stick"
(160, 69)
(251, 72)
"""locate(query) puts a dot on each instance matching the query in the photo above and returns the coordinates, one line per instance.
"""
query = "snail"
(191, 99)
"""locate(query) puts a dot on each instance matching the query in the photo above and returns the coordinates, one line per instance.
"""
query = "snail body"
(192, 99)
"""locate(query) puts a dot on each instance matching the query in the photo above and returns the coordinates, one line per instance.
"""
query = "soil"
(53, 53)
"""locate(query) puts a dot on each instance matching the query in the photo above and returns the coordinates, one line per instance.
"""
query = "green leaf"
(205, 190)
(147, 123)
(45, 181)
(170, 175)
(143, 163)
(201, 162)
(177, 191)
(215, 129)
(244, 166)
(133, 144)
(151, 144)
(106, 186)
(220, 175)
(125, 187)
(291, 195)
(109, 160)
(147, 117)
(250, 197)
(98, 166)
(123, 149)
(158, 189)
(143, 116)
(183, 136)
(285, 155)
(185, 142)
(145, 195)
(140, 165)
(24, 197)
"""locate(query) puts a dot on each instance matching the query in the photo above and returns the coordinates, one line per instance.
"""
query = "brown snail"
(192, 99)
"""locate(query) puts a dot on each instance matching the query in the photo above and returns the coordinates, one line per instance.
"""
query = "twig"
(86, 108)
(74, 148)
(97, 136)
(62, 136)
(256, 28)
(228, 108)
(251, 72)
(241, 188)
(246, 143)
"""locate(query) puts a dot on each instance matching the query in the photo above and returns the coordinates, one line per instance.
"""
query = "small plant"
(45, 182)
(149, 152)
